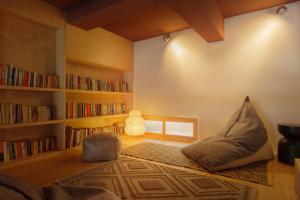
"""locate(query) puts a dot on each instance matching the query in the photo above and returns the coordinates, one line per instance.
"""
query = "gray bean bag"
(14, 189)
(243, 141)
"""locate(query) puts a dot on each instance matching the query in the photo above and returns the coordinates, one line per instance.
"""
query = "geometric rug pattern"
(257, 172)
(132, 179)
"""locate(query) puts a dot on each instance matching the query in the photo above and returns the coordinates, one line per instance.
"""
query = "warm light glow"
(269, 28)
(176, 48)
(135, 123)
(263, 34)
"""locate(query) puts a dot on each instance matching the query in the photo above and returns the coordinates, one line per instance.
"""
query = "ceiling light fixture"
(281, 10)
(166, 37)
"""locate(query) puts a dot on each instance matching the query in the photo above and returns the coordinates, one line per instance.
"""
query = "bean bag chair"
(243, 141)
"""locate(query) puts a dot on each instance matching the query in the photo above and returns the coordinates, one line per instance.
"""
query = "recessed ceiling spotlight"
(281, 10)
(166, 37)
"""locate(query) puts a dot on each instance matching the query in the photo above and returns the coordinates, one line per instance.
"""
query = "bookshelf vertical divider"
(60, 97)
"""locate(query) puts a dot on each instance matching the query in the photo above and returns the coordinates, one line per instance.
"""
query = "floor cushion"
(243, 141)
(101, 147)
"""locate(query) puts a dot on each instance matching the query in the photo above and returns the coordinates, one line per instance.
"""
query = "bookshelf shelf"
(95, 118)
(98, 92)
(28, 159)
(7, 126)
(34, 89)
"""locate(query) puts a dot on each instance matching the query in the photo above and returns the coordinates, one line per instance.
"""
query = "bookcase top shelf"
(50, 122)
(97, 92)
(7, 126)
(35, 89)
(95, 118)
(28, 159)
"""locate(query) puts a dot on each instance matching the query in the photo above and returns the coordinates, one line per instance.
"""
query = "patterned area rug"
(257, 172)
(134, 179)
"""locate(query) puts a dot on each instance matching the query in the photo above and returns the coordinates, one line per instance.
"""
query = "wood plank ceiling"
(141, 19)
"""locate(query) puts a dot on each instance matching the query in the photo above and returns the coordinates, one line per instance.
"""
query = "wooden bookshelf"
(99, 71)
(98, 92)
(52, 47)
(37, 49)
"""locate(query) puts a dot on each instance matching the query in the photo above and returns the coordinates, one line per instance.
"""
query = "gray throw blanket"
(14, 189)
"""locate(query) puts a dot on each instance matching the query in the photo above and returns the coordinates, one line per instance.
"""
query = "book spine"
(1, 151)
(23, 148)
(92, 84)
(16, 113)
(80, 110)
(11, 75)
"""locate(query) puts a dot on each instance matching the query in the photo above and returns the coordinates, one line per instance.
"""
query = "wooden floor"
(46, 169)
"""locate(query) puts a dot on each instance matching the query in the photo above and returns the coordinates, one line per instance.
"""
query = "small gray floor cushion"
(101, 147)
(12, 188)
(243, 141)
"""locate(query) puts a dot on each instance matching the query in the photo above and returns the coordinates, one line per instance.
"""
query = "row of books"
(23, 148)
(77, 110)
(13, 76)
(75, 136)
(89, 83)
(16, 113)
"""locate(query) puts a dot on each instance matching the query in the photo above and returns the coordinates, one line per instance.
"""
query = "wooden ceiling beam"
(100, 13)
(203, 15)
(141, 19)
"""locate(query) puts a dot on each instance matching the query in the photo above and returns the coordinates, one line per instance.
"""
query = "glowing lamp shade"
(135, 123)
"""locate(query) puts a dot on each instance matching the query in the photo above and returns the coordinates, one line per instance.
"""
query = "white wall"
(259, 57)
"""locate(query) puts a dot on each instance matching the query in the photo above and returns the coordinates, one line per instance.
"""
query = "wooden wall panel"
(94, 72)
(100, 47)
(27, 45)
(35, 10)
